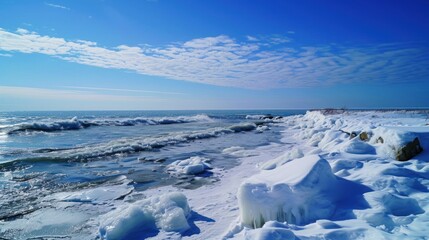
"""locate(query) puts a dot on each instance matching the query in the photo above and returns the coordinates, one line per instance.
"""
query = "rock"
(410, 150)
(353, 135)
(364, 136)
(268, 116)
(379, 140)
(159, 160)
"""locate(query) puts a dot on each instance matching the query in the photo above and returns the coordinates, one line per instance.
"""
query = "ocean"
(45, 153)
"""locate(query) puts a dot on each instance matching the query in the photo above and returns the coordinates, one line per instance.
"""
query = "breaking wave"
(126, 146)
(76, 124)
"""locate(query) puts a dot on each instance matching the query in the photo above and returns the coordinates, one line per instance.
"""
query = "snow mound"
(168, 212)
(190, 166)
(393, 204)
(286, 157)
(298, 192)
(356, 146)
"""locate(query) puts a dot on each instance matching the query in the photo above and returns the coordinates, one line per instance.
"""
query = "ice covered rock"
(409, 150)
(298, 192)
(397, 144)
(190, 166)
(168, 212)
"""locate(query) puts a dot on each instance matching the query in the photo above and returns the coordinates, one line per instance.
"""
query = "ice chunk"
(190, 166)
(244, 127)
(238, 151)
(168, 212)
(298, 192)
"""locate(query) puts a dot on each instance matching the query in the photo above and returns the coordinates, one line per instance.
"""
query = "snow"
(284, 158)
(373, 195)
(319, 183)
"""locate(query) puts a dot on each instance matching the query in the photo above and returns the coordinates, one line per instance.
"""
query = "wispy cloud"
(56, 6)
(5, 55)
(58, 94)
(257, 62)
(123, 90)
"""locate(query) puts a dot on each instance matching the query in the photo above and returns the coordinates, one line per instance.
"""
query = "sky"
(213, 54)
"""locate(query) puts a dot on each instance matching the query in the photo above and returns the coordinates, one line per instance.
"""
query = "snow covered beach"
(323, 184)
(323, 180)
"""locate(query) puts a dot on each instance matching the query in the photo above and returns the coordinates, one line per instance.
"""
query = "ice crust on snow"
(167, 212)
(297, 192)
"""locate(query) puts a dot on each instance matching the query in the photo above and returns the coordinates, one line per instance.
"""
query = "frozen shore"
(330, 177)
(321, 183)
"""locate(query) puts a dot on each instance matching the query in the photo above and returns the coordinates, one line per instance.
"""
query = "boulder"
(268, 116)
(353, 135)
(364, 136)
(409, 150)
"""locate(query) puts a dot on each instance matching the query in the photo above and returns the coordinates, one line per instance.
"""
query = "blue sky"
(192, 54)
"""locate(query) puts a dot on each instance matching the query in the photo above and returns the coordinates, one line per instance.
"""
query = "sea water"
(45, 153)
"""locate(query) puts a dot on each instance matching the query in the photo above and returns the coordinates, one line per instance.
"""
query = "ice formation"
(368, 194)
(297, 192)
(168, 212)
(190, 166)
